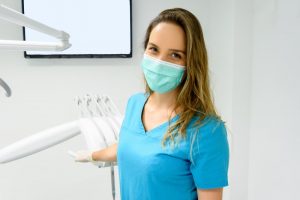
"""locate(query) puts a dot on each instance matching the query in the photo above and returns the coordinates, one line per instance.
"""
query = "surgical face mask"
(161, 76)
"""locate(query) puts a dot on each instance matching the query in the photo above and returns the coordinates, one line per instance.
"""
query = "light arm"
(15, 17)
(39, 141)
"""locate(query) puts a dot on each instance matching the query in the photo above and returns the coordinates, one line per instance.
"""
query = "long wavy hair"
(194, 97)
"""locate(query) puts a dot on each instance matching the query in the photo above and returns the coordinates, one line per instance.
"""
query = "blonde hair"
(194, 95)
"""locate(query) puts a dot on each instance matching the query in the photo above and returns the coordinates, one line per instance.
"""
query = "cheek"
(182, 62)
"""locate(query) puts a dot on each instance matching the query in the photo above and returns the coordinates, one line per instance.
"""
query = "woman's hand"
(85, 156)
(108, 154)
(82, 155)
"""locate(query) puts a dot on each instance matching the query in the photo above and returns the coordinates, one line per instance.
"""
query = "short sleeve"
(210, 156)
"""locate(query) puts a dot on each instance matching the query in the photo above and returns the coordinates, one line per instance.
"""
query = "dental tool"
(5, 87)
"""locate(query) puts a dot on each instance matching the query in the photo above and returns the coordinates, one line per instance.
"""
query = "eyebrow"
(176, 50)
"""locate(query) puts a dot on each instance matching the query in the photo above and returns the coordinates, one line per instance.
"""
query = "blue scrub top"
(149, 172)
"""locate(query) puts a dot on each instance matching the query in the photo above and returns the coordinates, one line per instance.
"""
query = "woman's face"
(167, 42)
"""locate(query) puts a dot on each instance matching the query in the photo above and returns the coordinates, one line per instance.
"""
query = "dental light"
(15, 17)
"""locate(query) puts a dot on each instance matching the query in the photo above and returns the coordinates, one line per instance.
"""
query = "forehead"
(169, 36)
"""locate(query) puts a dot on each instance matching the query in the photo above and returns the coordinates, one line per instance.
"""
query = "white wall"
(275, 101)
(241, 86)
(254, 61)
(44, 92)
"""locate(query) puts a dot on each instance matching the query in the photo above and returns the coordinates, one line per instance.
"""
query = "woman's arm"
(108, 154)
(212, 194)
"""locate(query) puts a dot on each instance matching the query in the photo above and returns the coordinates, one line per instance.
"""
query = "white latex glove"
(85, 156)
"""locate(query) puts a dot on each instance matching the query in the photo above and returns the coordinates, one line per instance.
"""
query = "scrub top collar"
(156, 128)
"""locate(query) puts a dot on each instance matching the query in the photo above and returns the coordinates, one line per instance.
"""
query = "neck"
(165, 101)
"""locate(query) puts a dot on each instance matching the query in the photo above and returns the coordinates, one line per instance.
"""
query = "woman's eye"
(176, 55)
(153, 49)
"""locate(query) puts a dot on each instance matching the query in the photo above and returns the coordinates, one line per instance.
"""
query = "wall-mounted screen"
(97, 28)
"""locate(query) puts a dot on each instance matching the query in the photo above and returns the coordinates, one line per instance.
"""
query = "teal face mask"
(161, 76)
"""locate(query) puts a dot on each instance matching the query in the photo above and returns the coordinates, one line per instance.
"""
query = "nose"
(162, 57)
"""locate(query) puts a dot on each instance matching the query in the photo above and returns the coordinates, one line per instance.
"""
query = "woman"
(172, 143)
